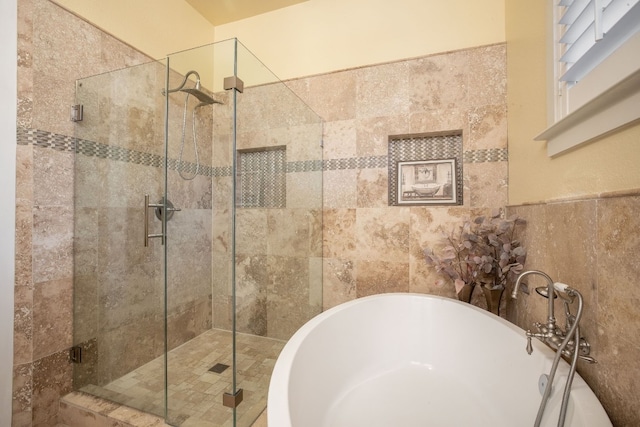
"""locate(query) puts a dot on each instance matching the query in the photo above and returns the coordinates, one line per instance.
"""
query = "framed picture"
(427, 182)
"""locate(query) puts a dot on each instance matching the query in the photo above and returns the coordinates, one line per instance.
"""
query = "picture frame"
(427, 182)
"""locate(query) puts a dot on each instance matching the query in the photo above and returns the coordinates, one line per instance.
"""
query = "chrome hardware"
(170, 209)
(148, 236)
(232, 400)
(77, 113)
(75, 354)
(233, 82)
(568, 343)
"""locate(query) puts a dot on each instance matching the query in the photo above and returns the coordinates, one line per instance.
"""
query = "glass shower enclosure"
(198, 233)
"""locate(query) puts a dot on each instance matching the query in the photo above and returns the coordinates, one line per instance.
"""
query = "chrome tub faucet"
(566, 343)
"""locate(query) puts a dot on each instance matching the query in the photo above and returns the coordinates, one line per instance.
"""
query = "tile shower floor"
(195, 392)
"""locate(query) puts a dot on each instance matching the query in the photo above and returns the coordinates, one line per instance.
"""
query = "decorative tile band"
(45, 139)
(488, 155)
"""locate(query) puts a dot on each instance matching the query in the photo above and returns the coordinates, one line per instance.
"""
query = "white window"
(596, 70)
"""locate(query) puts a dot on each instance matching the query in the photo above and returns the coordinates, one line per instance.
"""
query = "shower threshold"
(194, 391)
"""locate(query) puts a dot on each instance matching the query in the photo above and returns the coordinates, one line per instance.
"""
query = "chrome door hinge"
(232, 400)
(233, 82)
(77, 113)
(75, 354)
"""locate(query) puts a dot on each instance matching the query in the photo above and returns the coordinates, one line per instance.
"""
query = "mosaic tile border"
(46, 139)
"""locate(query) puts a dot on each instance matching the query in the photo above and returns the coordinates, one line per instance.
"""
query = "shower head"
(195, 91)
(202, 97)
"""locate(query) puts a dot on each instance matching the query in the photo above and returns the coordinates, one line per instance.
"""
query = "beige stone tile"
(488, 82)
(22, 395)
(85, 241)
(304, 190)
(487, 127)
(373, 188)
(339, 139)
(52, 317)
(289, 232)
(261, 421)
(487, 185)
(339, 234)
(55, 67)
(288, 305)
(25, 64)
(193, 194)
(339, 282)
(51, 380)
(23, 325)
(382, 234)
(616, 388)
(382, 90)
(125, 185)
(439, 82)
(377, 277)
(141, 341)
(24, 174)
(617, 268)
(339, 189)
(24, 245)
(442, 120)
(372, 133)
(333, 96)
(251, 294)
(256, 139)
(52, 243)
(303, 141)
(116, 56)
(251, 231)
(571, 232)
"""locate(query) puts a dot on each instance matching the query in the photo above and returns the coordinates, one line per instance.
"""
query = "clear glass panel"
(199, 243)
(278, 268)
(118, 292)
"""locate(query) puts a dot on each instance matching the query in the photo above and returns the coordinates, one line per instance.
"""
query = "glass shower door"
(278, 226)
(118, 282)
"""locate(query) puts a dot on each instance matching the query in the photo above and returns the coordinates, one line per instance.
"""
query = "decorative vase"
(493, 297)
(465, 293)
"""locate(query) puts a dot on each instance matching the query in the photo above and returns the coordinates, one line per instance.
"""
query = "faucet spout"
(551, 319)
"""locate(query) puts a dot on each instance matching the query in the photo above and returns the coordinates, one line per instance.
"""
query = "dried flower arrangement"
(484, 251)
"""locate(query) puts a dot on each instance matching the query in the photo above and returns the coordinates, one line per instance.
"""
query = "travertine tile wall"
(54, 48)
(370, 247)
(278, 251)
(591, 245)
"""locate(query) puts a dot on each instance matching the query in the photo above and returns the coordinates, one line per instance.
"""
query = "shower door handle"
(148, 236)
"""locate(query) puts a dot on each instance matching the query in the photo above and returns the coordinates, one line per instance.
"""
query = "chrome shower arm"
(184, 82)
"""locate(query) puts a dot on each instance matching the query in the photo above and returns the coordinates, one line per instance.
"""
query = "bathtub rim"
(278, 392)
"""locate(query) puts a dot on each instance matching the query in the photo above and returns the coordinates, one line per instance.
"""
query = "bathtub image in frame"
(427, 182)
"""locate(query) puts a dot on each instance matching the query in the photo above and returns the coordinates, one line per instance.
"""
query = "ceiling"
(220, 12)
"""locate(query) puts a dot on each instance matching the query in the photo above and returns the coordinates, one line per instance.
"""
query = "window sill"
(609, 111)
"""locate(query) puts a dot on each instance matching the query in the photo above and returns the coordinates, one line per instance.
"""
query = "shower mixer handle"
(148, 236)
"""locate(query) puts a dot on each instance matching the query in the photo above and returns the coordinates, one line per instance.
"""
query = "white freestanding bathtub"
(410, 360)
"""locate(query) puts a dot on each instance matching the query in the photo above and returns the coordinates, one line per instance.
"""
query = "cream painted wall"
(8, 91)
(607, 165)
(319, 36)
(313, 37)
(155, 27)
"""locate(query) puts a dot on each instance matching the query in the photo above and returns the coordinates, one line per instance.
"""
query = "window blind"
(593, 29)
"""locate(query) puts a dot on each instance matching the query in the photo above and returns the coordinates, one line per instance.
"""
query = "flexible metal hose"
(195, 141)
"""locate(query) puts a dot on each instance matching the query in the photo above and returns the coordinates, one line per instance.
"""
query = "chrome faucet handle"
(529, 345)
(540, 335)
